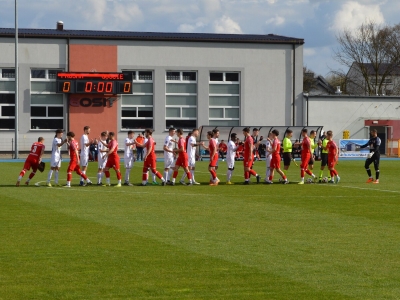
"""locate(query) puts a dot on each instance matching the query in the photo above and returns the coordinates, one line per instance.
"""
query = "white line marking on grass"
(368, 189)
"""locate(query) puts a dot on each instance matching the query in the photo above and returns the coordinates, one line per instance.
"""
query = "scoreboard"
(94, 83)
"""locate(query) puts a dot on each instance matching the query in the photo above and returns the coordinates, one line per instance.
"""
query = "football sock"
(127, 172)
(166, 175)
(369, 173)
(154, 176)
(302, 172)
(302, 179)
(119, 176)
(170, 171)
(321, 173)
(268, 172)
(174, 175)
(69, 177)
(189, 176)
(183, 176)
(49, 175)
(31, 176)
(108, 180)
(252, 172)
(107, 174)
(69, 182)
(377, 174)
(173, 179)
(119, 181)
(56, 176)
(99, 177)
(246, 175)
(228, 175)
(192, 173)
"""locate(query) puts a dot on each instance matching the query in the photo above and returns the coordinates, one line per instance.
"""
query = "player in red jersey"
(306, 154)
(248, 157)
(183, 159)
(75, 160)
(276, 158)
(213, 150)
(333, 153)
(33, 160)
(150, 158)
(112, 159)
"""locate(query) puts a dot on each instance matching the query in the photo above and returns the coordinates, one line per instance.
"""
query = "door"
(382, 134)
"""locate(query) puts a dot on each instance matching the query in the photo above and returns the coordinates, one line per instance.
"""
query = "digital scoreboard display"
(94, 83)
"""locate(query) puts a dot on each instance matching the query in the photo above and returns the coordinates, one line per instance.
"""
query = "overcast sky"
(316, 21)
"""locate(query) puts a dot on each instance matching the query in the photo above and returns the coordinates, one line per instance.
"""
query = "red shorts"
(150, 162)
(31, 162)
(331, 163)
(248, 163)
(305, 158)
(113, 162)
(214, 161)
(73, 166)
(275, 162)
(182, 161)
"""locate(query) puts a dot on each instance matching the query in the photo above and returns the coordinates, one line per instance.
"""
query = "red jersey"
(332, 149)
(223, 147)
(182, 145)
(36, 149)
(248, 143)
(150, 146)
(112, 144)
(73, 145)
(305, 146)
(276, 144)
(212, 145)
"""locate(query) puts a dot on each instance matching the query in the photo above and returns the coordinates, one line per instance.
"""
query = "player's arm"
(148, 151)
(77, 156)
(62, 143)
(251, 148)
(41, 154)
(167, 149)
(104, 143)
(213, 152)
(366, 145)
(112, 149)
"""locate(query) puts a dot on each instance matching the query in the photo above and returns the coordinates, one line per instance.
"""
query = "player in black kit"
(373, 156)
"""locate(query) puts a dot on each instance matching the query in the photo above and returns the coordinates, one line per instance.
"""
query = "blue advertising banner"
(351, 148)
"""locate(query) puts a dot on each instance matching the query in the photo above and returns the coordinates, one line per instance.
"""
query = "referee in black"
(373, 156)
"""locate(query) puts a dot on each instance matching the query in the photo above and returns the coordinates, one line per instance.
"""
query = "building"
(317, 85)
(383, 79)
(182, 80)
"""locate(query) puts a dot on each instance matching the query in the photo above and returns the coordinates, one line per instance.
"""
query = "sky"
(318, 22)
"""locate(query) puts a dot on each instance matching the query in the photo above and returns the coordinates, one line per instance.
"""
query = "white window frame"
(46, 79)
(181, 81)
(137, 80)
(6, 104)
(224, 95)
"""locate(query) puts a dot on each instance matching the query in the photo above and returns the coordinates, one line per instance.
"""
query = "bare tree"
(309, 82)
(372, 56)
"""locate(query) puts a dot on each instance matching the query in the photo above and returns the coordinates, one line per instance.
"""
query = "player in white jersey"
(101, 158)
(84, 157)
(268, 155)
(230, 157)
(55, 163)
(169, 145)
(128, 156)
(191, 151)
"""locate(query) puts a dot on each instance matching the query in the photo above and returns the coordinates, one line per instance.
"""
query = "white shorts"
(268, 161)
(128, 162)
(55, 162)
(231, 164)
(169, 162)
(192, 162)
(101, 162)
(84, 160)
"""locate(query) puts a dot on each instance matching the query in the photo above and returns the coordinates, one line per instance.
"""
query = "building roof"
(150, 36)
(382, 69)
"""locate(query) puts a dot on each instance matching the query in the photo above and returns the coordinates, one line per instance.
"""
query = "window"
(181, 99)
(43, 80)
(137, 109)
(47, 111)
(224, 99)
(7, 98)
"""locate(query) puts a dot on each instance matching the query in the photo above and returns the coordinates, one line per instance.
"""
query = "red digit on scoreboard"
(100, 87)
(109, 87)
(88, 87)
(127, 87)
(66, 86)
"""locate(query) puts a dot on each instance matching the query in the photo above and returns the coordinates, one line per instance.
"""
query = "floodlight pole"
(16, 81)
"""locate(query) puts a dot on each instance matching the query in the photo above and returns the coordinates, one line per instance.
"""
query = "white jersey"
(84, 148)
(267, 144)
(191, 150)
(168, 142)
(231, 153)
(128, 149)
(101, 161)
(55, 150)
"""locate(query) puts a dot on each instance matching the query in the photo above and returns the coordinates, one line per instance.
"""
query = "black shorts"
(324, 159)
(287, 158)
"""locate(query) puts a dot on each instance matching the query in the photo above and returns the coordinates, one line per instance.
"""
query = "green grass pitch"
(316, 241)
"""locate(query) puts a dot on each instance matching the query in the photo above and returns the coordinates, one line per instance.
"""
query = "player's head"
(179, 132)
(70, 135)
(103, 135)
(40, 139)
(215, 133)
(270, 135)
(329, 134)
(59, 133)
(313, 133)
(246, 131)
(131, 133)
(209, 134)
(289, 133)
(148, 132)
(304, 132)
(222, 141)
(195, 132)
(233, 136)
(111, 135)
(374, 132)
(255, 131)
(171, 131)
(86, 129)
(275, 133)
